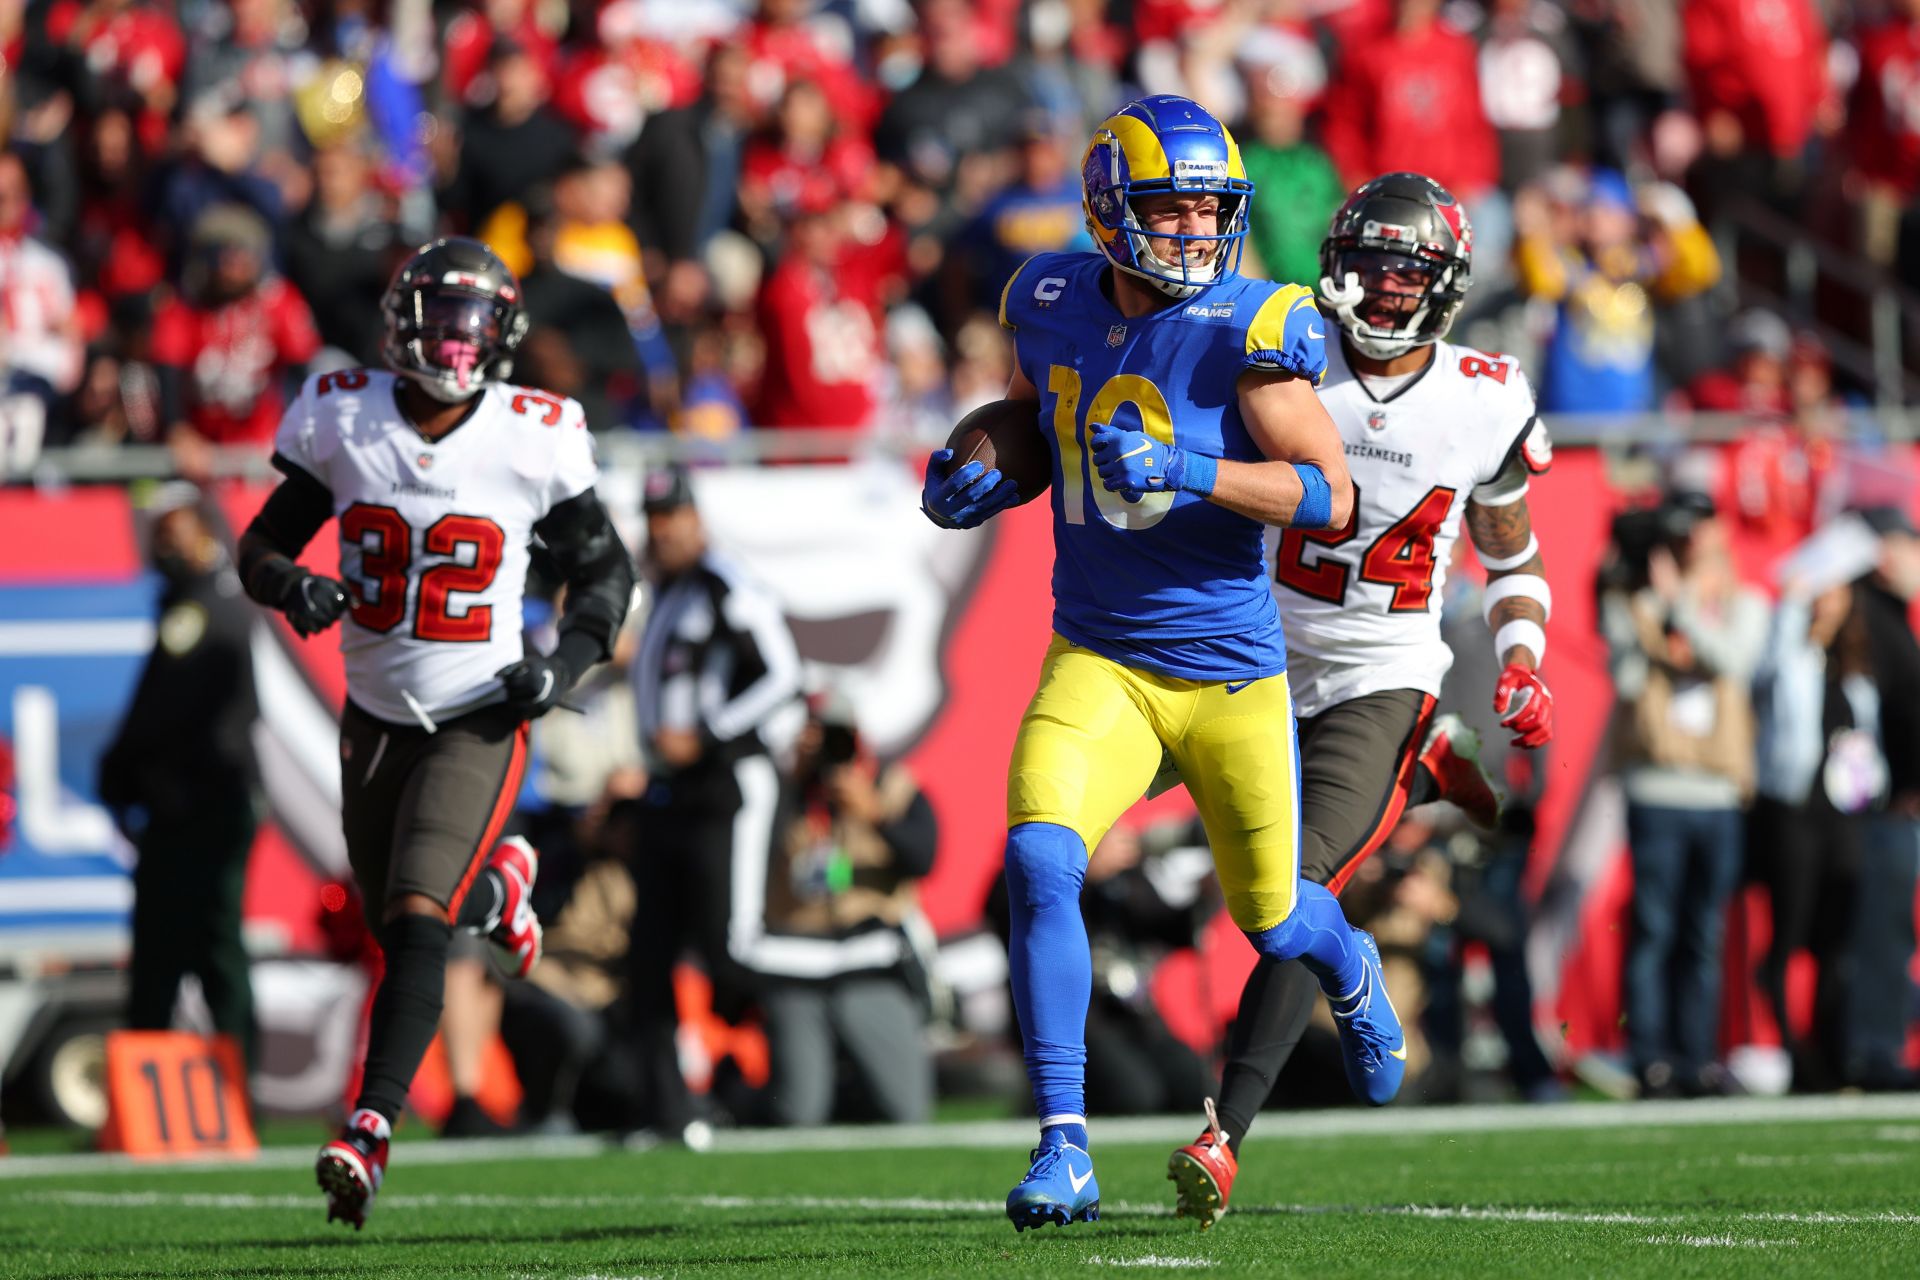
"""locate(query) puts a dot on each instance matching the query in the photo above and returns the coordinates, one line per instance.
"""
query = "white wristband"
(1527, 586)
(1503, 563)
(1522, 631)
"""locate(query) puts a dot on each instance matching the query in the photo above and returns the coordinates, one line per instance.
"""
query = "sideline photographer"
(843, 978)
(1684, 637)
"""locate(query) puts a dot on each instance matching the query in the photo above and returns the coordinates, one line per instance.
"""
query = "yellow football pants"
(1090, 743)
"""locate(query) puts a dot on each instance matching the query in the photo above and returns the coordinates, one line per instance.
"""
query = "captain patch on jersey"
(1172, 583)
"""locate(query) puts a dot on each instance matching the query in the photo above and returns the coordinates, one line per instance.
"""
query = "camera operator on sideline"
(1684, 637)
(842, 976)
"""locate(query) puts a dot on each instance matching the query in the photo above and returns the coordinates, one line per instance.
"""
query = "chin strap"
(1177, 289)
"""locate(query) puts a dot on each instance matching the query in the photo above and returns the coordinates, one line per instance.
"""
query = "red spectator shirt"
(823, 351)
(137, 46)
(1883, 121)
(1169, 19)
(1765, 61)
(781, 55)
(470, 39)
(232, 359)
(1412, 102)
(610, 92)
(1780, 484)
(1355, 21)
(116, 240)
(845, 168)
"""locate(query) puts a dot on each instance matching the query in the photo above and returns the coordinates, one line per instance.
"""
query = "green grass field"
(1824, 1187)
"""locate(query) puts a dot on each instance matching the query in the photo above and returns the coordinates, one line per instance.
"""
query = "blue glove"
(1133, 464)
(971, 496)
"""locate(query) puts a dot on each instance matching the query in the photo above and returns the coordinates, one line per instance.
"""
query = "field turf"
(1750, 1187)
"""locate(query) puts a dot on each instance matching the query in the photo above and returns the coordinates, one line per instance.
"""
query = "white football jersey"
(1361, 605)
(434, 534)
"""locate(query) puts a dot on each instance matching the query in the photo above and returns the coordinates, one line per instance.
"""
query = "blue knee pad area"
(1050, 965)
(1046, 865)
(1317, 935)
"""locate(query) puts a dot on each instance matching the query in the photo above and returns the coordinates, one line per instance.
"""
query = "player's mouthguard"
(459, 357)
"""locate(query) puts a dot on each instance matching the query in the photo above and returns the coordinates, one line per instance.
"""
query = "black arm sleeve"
(599, 577)
(914, 837)
(286, 524)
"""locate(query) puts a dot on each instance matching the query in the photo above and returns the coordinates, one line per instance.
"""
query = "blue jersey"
(1172, 583)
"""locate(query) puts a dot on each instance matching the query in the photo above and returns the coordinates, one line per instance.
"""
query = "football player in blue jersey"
(1178, 401)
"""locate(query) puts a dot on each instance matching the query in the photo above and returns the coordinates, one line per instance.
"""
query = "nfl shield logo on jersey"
(1376, 420)
(425, 460)
(1116, 335)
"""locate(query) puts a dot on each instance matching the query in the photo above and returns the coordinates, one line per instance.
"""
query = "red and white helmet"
(1396, 264)
(454, 319)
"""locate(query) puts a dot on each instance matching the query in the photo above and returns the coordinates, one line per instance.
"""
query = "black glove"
(313, 603)
(535, 684)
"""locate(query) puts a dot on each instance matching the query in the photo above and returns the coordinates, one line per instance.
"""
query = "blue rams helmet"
(1155, 146)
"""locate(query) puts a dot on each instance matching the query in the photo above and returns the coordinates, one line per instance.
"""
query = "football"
(1005, 434)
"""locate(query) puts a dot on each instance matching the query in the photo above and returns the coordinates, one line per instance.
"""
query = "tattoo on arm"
(1500, 532)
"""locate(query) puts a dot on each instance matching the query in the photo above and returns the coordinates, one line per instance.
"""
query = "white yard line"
(1816, 1216)
(1339, 1123)
(559, 1204)
(1152, 1260)
(424, 1153)
(1721, 1242)
(1391, 1122)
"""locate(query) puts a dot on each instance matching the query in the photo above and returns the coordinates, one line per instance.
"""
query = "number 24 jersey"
(1361, 604)
(434, 535)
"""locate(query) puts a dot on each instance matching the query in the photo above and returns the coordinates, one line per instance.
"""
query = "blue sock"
(1317, 935)
(1072, 1134)
(1051, 969)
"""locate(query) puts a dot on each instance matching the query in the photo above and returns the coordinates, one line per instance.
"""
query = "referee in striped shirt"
(716, 684)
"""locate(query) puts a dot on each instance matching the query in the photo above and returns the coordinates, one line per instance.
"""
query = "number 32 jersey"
(1361, 604)
(434, 534)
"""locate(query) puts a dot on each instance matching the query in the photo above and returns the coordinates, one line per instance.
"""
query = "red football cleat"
(1452, 755)
(516, 939)
(1202, 1174)
(352, 1166)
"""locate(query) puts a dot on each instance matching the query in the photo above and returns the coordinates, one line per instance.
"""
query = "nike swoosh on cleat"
(1078, 1180)
(1235, 688)
(1134, 453)
(1314, 333)
(1400, 1053)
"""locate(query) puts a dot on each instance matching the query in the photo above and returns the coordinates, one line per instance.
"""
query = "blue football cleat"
(1372, 1045)
(1059, 1188)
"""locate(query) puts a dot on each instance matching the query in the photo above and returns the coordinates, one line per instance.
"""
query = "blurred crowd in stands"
(799, 213)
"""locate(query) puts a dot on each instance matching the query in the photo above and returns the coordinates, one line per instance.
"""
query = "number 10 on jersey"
(1070, 428)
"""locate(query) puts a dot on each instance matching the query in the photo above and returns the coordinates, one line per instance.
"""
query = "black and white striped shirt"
(716, 658)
